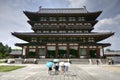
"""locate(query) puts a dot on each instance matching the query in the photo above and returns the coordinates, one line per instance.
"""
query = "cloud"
(110, 25)
(77, 3)
(12, 18)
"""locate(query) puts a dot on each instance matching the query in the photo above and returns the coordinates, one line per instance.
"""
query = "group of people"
(59, 67)
(110, 61)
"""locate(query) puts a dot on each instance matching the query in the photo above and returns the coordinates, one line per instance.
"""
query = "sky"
(12, 18)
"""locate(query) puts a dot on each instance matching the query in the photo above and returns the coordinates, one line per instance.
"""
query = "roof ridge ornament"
(40, 7)
(85, 8)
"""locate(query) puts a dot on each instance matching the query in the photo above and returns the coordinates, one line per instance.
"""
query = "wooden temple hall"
(62, 33)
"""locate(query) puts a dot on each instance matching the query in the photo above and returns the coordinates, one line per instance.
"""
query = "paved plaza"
(76, 72)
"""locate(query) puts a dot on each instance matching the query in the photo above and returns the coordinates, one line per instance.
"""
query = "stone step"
(43, 61)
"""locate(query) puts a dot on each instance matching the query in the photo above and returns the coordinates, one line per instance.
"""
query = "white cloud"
(111, 25)
(77, 3)
(12, 19)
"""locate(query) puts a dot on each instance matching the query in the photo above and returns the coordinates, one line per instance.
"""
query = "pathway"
(77, 72)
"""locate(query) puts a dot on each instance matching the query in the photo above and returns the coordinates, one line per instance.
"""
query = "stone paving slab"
(76, 72)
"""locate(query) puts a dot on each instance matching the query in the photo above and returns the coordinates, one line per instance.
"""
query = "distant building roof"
(112, 53)
(16, 53)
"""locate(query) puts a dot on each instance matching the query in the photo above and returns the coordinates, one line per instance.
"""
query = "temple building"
(62, 33)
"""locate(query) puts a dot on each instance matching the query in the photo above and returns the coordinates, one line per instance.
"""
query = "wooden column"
(88, 55)
(68, 51)
(56, 52)
(27, 52)
(23, 55)
(78, 50)
(37, 52)
(46, 51)
(103, 53)
(97, 53)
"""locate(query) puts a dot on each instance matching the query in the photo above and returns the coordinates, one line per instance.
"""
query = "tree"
(108, 50)
(4, 51)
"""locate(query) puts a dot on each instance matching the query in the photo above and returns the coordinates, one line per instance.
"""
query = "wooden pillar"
(78, 50)
(46, 51)
(97, 53)
(27, 52)
(103, 52)
(37, 52)
(68, 51)
(56, 52)
(88, 53)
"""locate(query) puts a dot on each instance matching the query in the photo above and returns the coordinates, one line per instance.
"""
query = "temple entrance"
(92, 53)
(62, 53)
(41, 53)
(51, 52)
(73, 52)
(32, 53)
(83, 53)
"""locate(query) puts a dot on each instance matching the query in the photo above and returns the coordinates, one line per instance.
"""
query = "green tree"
(4, 51)
(108, 50)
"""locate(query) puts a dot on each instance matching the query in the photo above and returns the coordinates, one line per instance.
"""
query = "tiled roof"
(108, 53)
(65, 10)
(93, 44)
(81, 34)
(62, 10)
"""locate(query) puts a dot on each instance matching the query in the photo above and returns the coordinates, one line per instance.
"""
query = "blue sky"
(12, 18)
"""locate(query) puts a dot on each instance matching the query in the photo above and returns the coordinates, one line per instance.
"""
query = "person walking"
(49, 65)
(62, 67)
(97, 61)
(67, 65)
(56, 67)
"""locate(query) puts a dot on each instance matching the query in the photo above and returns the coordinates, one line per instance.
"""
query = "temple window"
(81, 19)
(62, 31)
(53, 31)
(37, 24)
(78, 31)
(62, 19)
(53, 23)
(70, 31)
(45, 24)
(70, 23)
(38, 31)
(91, 40)
(33, 40)
(43, 19)
(52, 18)
(85, 31)
(78, 23)
(45, 31)
(72, 19)
(87, 24)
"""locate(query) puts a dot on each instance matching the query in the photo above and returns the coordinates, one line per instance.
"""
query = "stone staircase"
(94, 61)
(74, 61)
